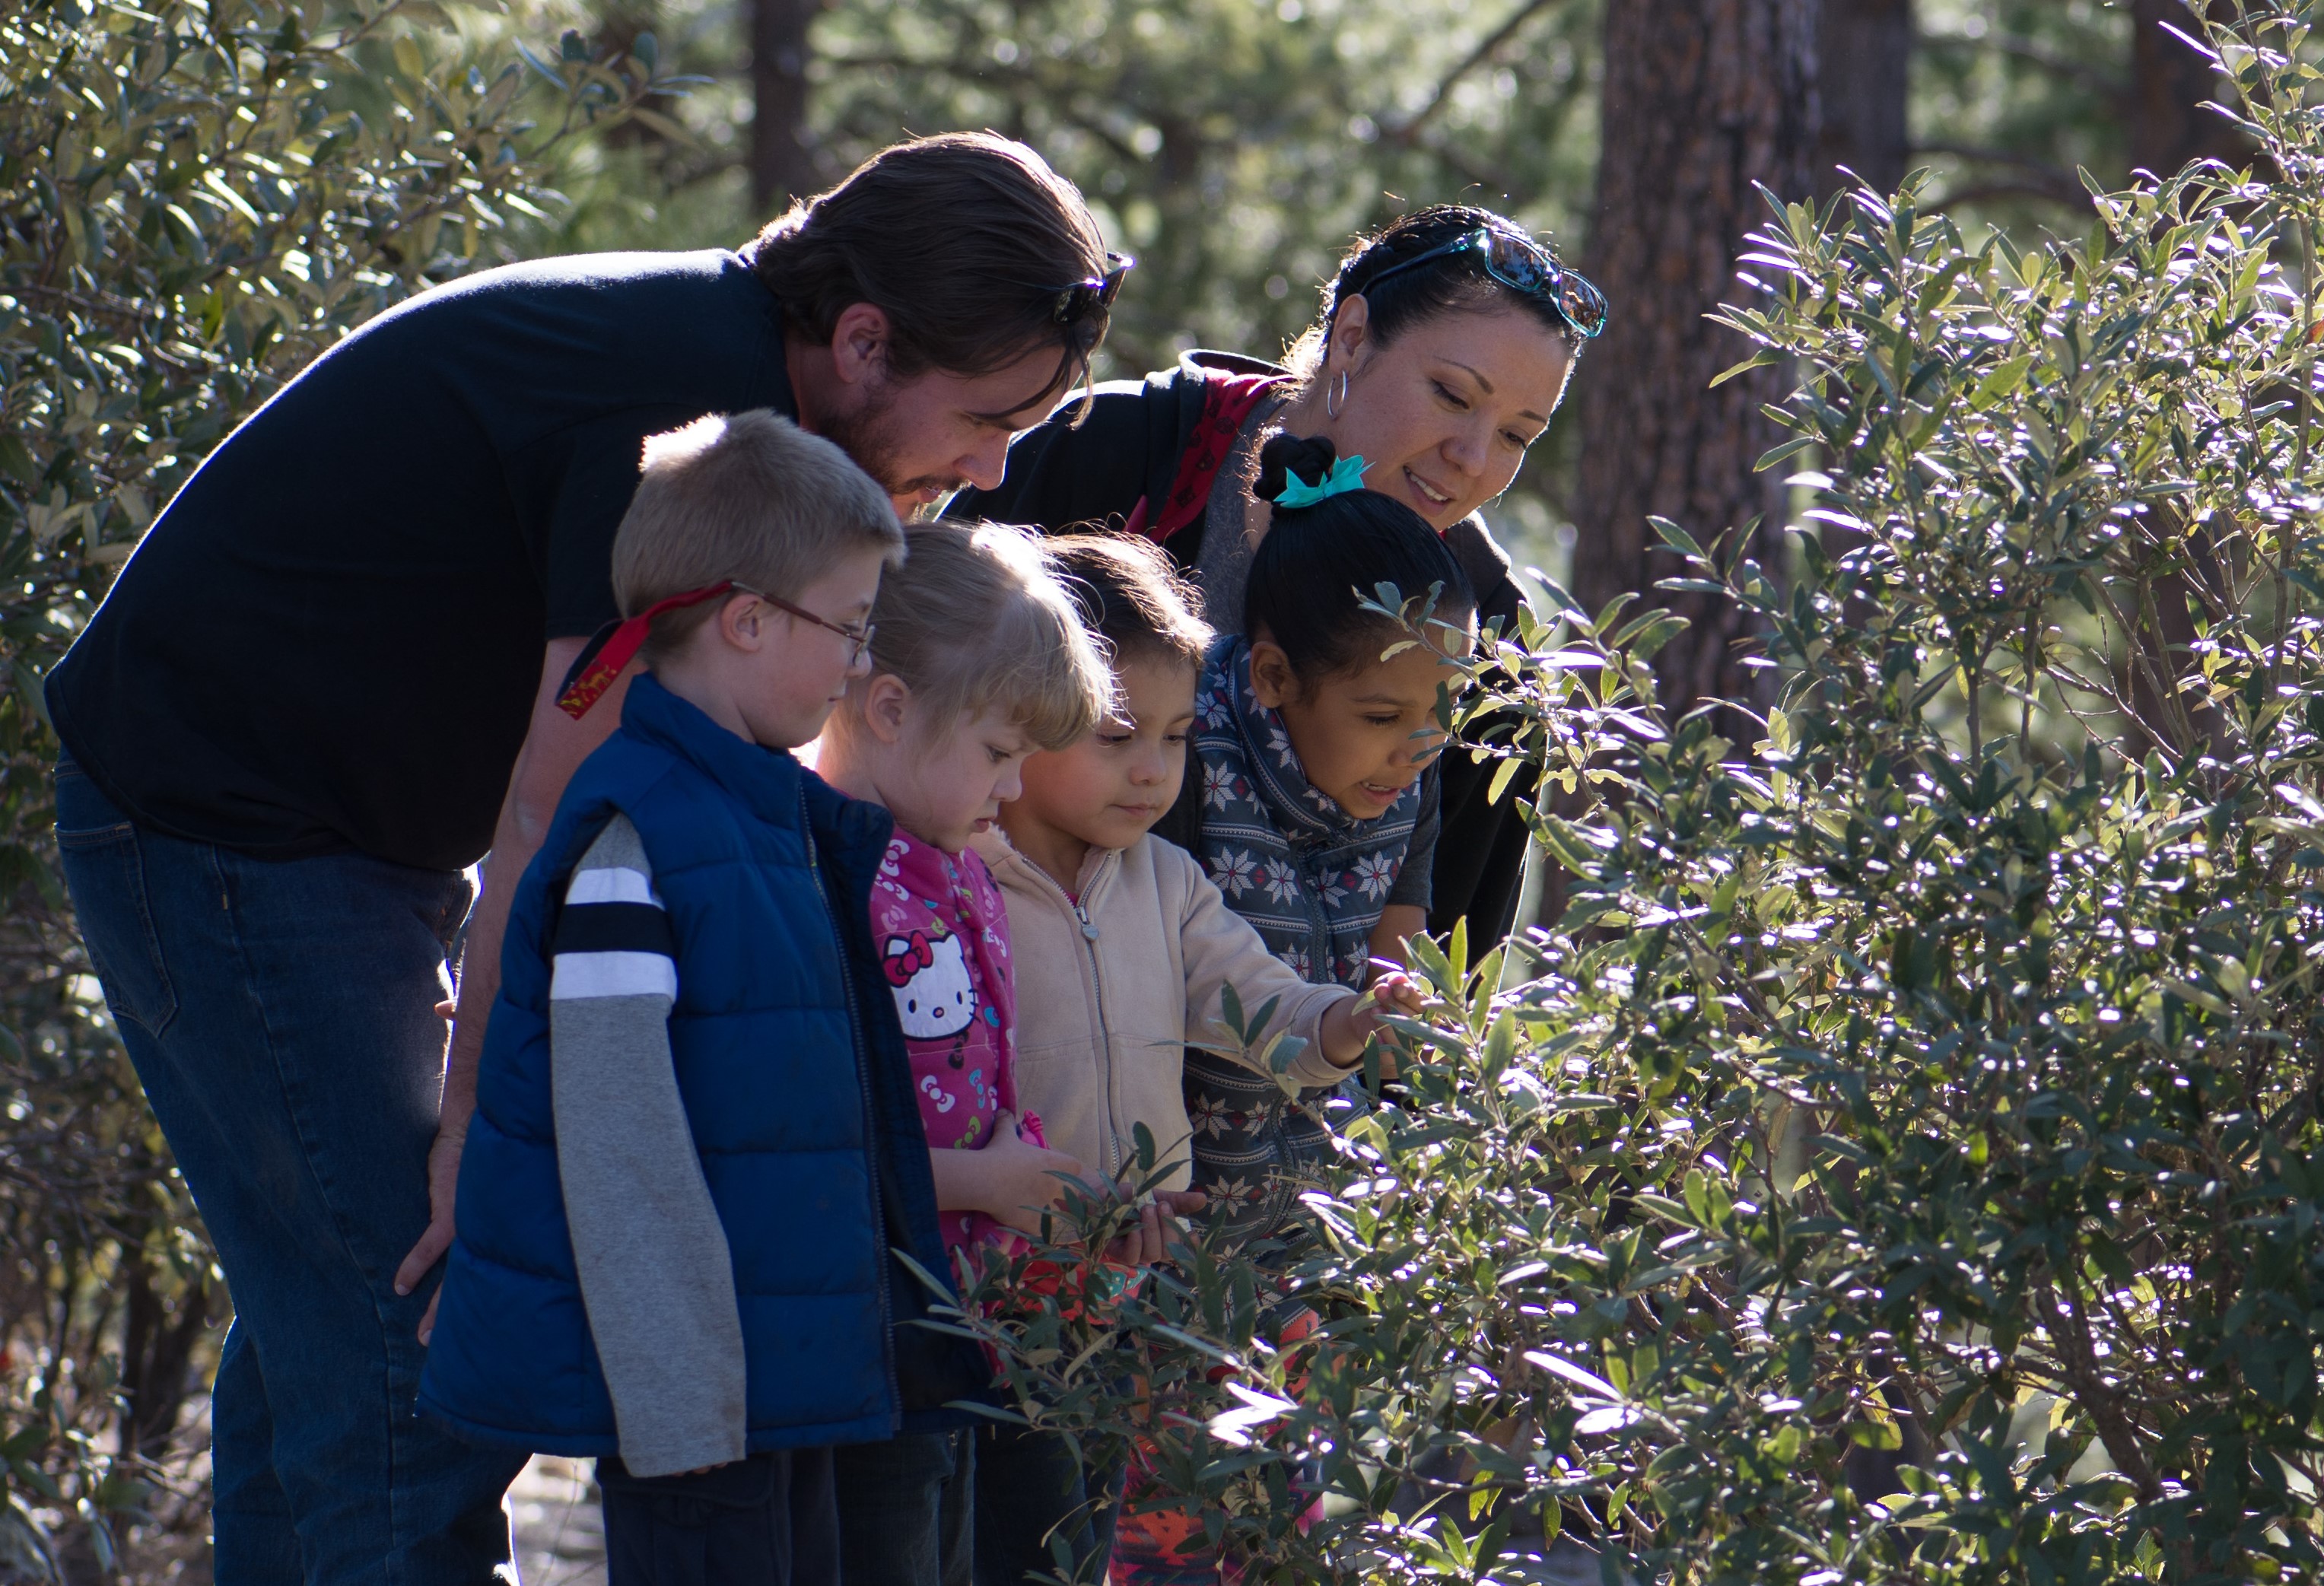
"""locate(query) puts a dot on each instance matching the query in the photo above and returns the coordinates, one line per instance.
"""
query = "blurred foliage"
(2012, 97)
(1901, 1162)
(195, 199)
(1234, 148)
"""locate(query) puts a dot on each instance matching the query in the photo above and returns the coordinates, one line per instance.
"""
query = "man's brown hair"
(964, 240)
(751, 498)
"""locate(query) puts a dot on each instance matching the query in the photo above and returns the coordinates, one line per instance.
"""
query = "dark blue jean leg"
(346, 959)
(253, 1536)
(1030, 1490)
(906, 1510)
(281, 1017)
(763, 1521)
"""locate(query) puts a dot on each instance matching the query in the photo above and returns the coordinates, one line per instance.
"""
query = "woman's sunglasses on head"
(1523, 266)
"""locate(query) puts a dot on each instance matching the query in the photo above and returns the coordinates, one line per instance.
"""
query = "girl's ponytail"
(1306, 572)
(1285, 459)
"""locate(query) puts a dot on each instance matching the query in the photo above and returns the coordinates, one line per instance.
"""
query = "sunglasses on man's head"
(1078, 302)
(1523, 266)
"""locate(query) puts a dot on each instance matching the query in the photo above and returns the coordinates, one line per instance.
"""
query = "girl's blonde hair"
(975, 618)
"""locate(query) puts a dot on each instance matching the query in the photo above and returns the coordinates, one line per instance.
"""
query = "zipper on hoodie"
(1097, 989)
(871, 1122)
(1104, 1042)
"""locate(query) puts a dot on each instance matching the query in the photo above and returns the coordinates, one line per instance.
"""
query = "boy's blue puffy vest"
(795, 1084)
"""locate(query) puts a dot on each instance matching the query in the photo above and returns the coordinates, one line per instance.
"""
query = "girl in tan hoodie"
(1122, 949)
(1123, 944)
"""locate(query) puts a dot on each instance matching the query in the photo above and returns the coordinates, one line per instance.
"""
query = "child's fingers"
(1399, 991)
(1141, 1243)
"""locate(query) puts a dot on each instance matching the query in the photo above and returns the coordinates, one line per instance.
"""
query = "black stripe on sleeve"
(614, 927)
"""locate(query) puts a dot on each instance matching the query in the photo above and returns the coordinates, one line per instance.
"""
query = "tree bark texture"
(1864, 57)
(2168, 84)
(1702, 99)
(782, 159)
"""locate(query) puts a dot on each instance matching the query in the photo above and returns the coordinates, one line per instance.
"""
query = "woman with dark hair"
(1443, 347)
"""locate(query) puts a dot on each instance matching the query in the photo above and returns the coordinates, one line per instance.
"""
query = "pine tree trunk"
(1863, 57)
(2168, 84)
(782, 161)
(1702, 99)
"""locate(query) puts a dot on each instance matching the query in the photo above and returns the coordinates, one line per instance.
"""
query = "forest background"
(1232, 146)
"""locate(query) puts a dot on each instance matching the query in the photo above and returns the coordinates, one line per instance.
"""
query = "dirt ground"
(558, 1539)
(553, 1508)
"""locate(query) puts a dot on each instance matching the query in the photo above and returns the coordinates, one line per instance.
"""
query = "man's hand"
(443, 1181)
(443, 1187)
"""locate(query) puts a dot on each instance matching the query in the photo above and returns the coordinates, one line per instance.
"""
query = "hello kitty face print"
(934, 995)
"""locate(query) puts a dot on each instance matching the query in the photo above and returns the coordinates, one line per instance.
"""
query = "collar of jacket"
(1099, 867)
(769, 781)
(1305, 812)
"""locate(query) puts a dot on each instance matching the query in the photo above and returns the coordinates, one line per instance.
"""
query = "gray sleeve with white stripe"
(656, 1276)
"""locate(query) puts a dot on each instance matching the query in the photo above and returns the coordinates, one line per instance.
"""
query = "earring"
(1332, 404)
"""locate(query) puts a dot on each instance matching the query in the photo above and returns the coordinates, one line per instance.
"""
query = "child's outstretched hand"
(1346, 1028)
(1399, 990)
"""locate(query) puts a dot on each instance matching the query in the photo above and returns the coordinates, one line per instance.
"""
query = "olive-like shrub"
(1902, 1161)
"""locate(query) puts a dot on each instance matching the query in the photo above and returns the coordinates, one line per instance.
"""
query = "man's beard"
(874, 439)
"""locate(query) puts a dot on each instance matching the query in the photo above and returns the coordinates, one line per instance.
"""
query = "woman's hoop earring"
(1332, 404)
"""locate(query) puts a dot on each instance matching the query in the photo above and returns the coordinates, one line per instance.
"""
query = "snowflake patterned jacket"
(1311, 879)
(941, 929)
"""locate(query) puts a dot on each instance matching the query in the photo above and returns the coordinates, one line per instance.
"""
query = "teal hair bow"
(1346, 474)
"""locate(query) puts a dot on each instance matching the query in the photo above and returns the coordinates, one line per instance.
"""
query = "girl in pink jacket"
(973, 660)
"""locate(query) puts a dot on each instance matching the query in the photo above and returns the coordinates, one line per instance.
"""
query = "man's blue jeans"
(281, 1017)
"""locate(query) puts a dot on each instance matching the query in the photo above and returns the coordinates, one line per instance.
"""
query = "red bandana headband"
(594, 672)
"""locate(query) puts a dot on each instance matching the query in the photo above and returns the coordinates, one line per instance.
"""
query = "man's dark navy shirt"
(333, 636)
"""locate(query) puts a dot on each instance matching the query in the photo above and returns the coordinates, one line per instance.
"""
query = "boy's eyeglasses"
(1078, 302)
(1522, 266)
(859, 640)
